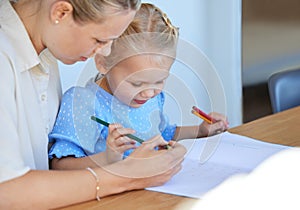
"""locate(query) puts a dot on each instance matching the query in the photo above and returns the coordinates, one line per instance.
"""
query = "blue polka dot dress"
(75, 134)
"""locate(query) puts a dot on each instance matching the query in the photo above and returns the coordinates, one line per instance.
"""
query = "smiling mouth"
(140, 101)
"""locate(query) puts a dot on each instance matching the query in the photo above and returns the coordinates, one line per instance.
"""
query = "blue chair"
(284, 90)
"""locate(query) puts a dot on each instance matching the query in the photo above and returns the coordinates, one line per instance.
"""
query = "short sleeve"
(64, 148)
(74, 133)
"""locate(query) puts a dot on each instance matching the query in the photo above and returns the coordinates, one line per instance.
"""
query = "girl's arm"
(203, 130)
(116, 144)
(72, 163)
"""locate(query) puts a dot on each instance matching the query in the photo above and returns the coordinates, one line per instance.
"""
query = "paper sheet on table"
(233, 154)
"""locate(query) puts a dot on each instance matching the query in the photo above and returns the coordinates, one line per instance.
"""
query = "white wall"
(224, 49)
(207, 72)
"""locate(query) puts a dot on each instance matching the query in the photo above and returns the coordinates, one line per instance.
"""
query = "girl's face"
(71, 42)
(139, 78)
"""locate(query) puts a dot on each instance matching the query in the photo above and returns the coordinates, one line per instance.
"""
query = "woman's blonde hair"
(151, 32)
(97, 10)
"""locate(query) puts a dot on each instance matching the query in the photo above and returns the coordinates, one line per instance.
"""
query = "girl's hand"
(207, 129)
(117, 142)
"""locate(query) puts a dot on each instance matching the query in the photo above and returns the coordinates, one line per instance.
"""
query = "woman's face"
(70, 42)
(137, 79)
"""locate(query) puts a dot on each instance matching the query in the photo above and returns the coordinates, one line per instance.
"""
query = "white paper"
(233, 154)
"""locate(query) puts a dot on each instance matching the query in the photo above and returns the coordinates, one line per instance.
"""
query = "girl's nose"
(104, 49)
(149, 93)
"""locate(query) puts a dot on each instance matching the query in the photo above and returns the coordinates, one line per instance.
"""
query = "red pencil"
(202, 115)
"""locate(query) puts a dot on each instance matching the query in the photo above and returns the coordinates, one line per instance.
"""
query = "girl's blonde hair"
(98, 10)
(151, 32)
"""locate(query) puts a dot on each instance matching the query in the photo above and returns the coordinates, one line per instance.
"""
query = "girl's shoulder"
(77, 91)
(78, 94)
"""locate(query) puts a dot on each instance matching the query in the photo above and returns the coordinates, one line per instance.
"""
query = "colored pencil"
(128, 135)
(196, 111)
(107, 124)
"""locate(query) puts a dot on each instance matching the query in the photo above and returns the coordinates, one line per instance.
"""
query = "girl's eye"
(136, 84)
(160, 82)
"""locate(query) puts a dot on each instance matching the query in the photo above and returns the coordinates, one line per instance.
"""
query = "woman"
(33, 34)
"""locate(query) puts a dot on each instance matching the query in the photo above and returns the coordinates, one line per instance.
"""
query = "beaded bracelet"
(97, 182)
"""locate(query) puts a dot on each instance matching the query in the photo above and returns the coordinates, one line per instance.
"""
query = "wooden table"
(280, 128)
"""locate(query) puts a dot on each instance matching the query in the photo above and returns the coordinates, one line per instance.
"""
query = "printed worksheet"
(209, 161)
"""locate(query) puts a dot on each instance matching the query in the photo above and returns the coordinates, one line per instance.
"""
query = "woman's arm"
(47, 189)
(52, 189)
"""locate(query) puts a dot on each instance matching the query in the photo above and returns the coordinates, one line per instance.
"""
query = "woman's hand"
(117, 142)
(207, 129)
(147, 167)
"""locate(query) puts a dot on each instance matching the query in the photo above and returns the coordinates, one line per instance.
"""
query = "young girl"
(128, 93)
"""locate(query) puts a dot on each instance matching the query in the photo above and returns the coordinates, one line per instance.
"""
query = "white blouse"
(30, 91)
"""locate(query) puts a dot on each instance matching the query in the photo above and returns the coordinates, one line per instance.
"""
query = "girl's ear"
(60, 10)
(99, 61)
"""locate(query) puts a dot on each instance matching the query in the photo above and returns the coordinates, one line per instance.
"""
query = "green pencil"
(128, 135)
(107, 124)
